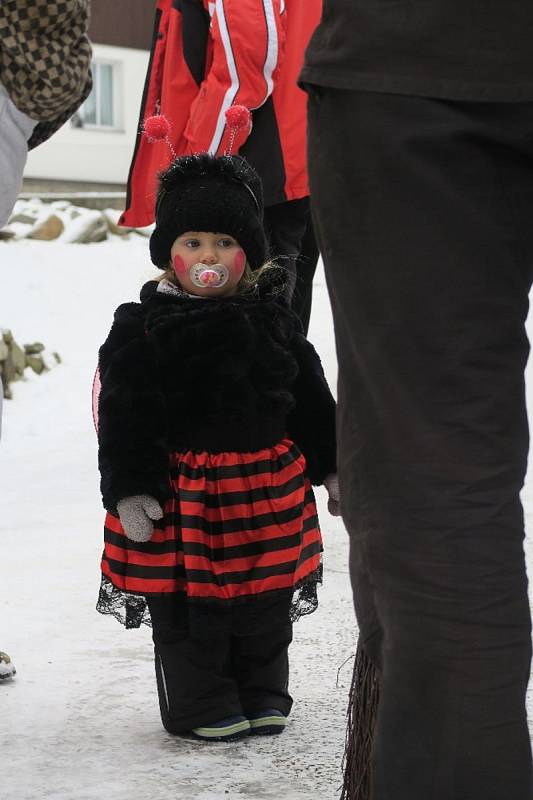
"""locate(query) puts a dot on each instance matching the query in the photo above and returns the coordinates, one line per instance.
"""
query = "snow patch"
(82, 714)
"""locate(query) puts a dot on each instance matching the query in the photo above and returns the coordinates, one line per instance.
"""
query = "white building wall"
(97, 155)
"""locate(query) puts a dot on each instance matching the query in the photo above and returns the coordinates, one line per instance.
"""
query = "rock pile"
(14, 359)
(63, 222)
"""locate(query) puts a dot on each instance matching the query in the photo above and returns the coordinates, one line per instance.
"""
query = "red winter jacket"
(207, 56)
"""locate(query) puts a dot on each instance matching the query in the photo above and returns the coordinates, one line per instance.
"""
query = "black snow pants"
(423, 212)
(219, 667)
(290, 232)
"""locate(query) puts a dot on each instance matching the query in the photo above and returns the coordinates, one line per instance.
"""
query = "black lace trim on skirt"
(131, 610)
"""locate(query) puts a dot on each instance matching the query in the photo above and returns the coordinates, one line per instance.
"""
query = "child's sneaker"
(7, 668)
(268, 722)
(225, 730)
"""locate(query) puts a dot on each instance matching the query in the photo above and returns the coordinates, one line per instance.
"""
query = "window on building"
(101, 109)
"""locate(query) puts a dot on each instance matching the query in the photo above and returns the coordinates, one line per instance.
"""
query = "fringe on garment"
(362, 711)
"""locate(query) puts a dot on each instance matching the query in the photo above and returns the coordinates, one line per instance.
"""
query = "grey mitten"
(136, 514)
(331, 482)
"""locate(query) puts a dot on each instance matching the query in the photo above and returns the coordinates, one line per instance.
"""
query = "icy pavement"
(81, 719)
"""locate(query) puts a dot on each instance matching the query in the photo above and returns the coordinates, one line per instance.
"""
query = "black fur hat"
(204, 193)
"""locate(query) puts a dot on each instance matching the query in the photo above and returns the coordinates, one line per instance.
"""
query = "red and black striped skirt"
(238, 526)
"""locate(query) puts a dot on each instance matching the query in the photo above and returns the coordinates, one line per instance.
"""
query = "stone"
(17, 356)
(50, 359)
(20, 229)
(88, 227)
(34, 348)
(23, 216)
(35, 363)
(47, 229)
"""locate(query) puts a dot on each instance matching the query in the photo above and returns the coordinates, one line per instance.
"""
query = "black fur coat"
(206, 374)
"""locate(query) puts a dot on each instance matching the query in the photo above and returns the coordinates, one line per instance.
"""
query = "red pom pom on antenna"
(156, 128)
(238, 117)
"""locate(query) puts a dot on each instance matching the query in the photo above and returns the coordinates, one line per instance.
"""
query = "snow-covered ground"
(81, 720)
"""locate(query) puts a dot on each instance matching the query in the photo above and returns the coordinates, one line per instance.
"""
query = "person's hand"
(331, 482)
(136, 514)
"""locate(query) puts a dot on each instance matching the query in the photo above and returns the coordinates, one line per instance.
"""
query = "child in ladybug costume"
(214, 421)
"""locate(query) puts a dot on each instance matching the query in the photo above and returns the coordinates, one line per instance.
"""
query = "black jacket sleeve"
(311, 423)
(133, 453)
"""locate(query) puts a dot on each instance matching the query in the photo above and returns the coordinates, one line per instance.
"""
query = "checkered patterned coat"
(45, 58)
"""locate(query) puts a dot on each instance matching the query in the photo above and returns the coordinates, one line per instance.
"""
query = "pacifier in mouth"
(209, 276)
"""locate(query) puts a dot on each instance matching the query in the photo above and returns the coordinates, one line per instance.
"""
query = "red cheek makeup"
(179, 265)
(240, 261)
